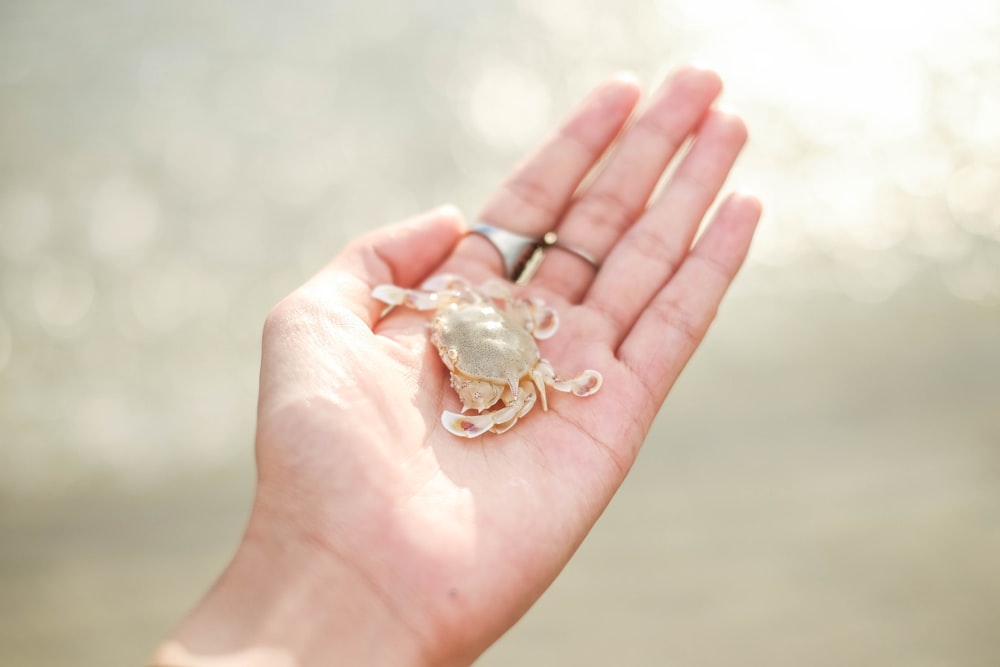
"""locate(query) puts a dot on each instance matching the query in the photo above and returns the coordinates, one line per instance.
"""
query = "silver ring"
(516, 250)
(551, 240)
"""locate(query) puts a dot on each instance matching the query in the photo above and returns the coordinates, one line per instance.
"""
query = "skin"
(378, 538)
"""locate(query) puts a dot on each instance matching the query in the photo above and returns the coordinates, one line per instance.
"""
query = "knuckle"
(652, 245)
(693, 188)
(534, 196)
(665, 131)
(612, 315)
(288, 313)
(606, 209)
(688, 326)
(714, 267)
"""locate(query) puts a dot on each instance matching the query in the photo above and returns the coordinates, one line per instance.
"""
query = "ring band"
(522, 254)
(516, 250)
(551, 240)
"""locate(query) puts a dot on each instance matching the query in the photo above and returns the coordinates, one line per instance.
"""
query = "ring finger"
(620, 192)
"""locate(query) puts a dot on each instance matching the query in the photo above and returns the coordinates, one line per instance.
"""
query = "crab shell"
(486, 339)
(487, 351)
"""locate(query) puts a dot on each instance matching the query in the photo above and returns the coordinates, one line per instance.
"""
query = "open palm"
(453, 539)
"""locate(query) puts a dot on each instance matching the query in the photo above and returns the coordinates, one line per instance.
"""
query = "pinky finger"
(666, 335)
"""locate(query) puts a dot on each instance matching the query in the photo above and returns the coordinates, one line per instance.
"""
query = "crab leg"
(498, 421)
(444, 288)
(394, 295)
(541, 320)
(544, 321)
(444, 282)
(584, 384)
(526, 399)
(497, 289)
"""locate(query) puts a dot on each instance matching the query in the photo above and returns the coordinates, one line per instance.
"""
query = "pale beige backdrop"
(823, 487)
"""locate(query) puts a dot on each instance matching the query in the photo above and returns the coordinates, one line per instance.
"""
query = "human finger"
(402, 254)
(674, 323)
(534, 197)
(649, 253)
(618, 195)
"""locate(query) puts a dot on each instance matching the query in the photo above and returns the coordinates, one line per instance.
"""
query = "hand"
(376, 536)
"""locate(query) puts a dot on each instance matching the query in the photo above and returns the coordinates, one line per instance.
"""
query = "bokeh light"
(169, 170)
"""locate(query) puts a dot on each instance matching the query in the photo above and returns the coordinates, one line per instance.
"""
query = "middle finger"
(618, 196)
(533, 199)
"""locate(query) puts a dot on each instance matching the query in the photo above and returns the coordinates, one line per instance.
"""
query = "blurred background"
(823, 487)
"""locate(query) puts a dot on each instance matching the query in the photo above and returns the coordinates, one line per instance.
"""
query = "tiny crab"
(486, 339)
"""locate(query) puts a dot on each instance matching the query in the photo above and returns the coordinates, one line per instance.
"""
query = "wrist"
(289, 604)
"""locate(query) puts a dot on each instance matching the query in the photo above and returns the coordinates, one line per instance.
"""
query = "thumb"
(402, 254)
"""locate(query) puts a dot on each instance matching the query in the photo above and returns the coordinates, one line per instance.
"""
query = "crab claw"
(469, 426)
(498, 421)
(393, 295)
(466, 426)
